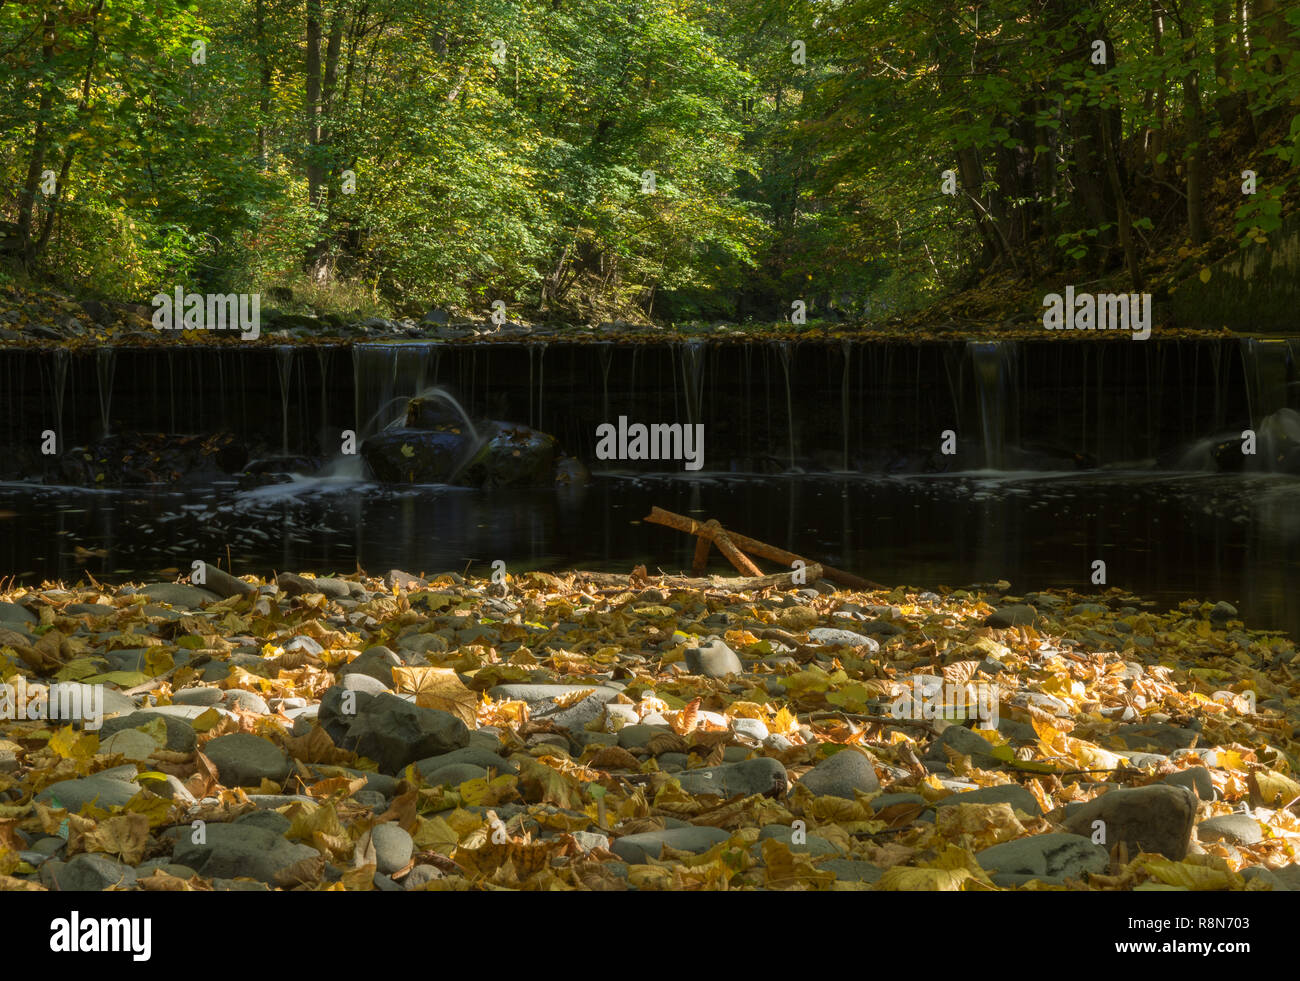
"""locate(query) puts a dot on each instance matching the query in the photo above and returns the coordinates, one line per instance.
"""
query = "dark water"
(1166, 536)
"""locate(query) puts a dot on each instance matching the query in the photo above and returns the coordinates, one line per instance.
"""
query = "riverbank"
(574, 731)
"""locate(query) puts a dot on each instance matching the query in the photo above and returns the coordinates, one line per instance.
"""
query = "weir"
(842, 405)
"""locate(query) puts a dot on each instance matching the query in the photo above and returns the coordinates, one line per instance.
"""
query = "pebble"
(841, 775)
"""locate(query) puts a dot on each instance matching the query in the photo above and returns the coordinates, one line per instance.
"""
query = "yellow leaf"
(438, 688)
(71, 745)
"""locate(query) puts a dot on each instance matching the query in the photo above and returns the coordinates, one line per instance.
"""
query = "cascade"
(105, 358)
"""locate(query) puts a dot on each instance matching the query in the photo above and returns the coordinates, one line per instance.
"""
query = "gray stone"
(1196, 779)
(842, 774)
(577, 716)
(1158, 818)
(1017, 796)
(308, 645)
(356, 681)
(1011, 616)
(968, 742)
(294, 585)
(842, 638)
(637, 736)
(453, 774)
(393, 847)
(419, 876)
(88, 872)
(812, 844)
(473, 755)
(635, 849)
(764, 776)
(197, 696)
(1050, 857)
(240, 849)
(394, 732)
(130, 743)
(1150, 736)
(223, 583)
(1236, 829)
(245, 760)
(377, 662)
(104, 791)
(1275, 882)
(246, 701)
(176, 594)
(713, 659)
(1223, 611)
(587, 840)
(13, 615)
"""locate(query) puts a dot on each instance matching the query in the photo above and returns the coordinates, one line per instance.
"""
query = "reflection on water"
(1167, 536)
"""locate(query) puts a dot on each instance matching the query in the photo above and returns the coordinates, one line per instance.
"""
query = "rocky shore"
(597, 732)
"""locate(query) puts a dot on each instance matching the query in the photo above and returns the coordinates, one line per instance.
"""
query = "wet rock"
(841, 774)
(1158, 818)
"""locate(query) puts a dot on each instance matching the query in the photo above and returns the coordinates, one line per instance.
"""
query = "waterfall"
(994, 363)
(384, 374)
(693, 378)
(284, 362)
(1268, 365)
(104, 361)
(60, 385)
(785, 351)
(846, 348)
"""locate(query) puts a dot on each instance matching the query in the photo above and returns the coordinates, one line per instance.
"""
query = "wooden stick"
(619, 584)
(734, 555)
(679, 522)
(701, 560)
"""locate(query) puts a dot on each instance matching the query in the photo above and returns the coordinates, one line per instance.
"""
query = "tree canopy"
(660, 158)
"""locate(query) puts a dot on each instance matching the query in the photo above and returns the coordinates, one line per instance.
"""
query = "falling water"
(284, 361)
(785, 351)
(993, 362)
(1267, 363)
(693, 378)
(60, 384)
(846, 347)
(104, 360)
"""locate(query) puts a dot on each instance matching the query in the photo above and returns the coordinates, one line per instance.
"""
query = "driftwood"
(731, 543)
(613, 582)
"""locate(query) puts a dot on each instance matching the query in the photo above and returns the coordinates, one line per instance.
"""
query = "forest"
(666, 160)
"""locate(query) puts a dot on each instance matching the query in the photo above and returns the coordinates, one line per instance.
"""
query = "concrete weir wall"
(869, 406)
(1254, 290)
